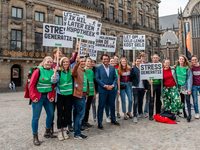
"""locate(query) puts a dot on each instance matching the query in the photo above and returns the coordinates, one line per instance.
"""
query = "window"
(111, 10)
(154, 23)
(147, 8)
(140, 19)
(129, 18)
(59, 20)
(120, 2)
(38, 41)
(121, 38)
(147, 21)
(154, 10)
(102, 7)
(129, 3)
(148, 42)
(120, 16)
(16, 12)
(90, 1)
(140, 6)
(155, 43)
(102, 33)
(39, 16)
(16, 40)
(121, 52)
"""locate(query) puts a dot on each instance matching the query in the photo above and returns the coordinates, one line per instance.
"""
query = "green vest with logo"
(66, 83)
(116, 71)
(44, 84)
(181, 74)
(84, 82)
(90, 75)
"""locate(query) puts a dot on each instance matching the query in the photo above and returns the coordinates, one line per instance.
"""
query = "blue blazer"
(102, 79)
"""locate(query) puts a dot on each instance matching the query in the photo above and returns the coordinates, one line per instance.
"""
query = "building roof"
(168, 22)
(169, 36)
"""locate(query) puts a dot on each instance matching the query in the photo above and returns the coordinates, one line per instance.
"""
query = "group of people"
(71, 86)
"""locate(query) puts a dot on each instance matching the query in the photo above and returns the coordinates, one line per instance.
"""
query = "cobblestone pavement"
(15, 131)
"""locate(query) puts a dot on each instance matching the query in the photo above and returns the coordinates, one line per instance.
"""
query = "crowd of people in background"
(71, 88)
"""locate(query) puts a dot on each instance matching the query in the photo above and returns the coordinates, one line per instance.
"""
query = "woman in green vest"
(64, 90)
(92, 93)
(42, 93)
(184, 79)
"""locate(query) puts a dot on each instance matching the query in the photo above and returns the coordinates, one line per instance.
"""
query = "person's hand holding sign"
(86, 52)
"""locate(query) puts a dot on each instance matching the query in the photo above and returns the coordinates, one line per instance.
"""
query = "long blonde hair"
(120, 69)
(61, 64)
(186, 63)
(47, 57)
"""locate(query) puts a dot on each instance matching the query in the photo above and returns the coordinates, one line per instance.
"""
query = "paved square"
(16, 133)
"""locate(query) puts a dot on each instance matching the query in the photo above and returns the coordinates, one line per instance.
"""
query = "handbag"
(168, 114)
(122, 86)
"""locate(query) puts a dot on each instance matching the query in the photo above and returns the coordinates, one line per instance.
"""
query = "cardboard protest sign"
(136, 42)
(99, 25)
(151, 71)
(92, 53)
(105, 43)
(56, 36)
(67, 14)
(80, 27)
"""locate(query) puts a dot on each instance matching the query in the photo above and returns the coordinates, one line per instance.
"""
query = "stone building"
(189, 29)
(22, 21)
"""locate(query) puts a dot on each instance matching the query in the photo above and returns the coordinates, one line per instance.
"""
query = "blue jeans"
(80, 109)
(195, 90)
(138, 94)
(107, 108)
(146, 108)
(129, 94)
(37, 108)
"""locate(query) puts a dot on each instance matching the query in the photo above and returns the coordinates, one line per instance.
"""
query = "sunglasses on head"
(166, 58)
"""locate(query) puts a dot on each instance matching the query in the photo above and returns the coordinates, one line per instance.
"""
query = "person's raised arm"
(74, 70)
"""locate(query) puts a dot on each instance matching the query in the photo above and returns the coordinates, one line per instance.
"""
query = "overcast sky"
(169, 7)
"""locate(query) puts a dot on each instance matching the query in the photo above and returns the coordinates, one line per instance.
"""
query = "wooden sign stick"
(57, 56)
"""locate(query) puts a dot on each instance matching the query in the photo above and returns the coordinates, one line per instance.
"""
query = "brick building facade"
(22, 21)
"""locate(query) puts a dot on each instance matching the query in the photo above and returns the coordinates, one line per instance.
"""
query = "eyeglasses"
(166, 58)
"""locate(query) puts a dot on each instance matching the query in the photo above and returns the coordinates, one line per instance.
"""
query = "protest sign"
(134, 42)
(92, 53)
(80, 27)
(151, 71)
(99, 25)
(105, 43)
(56, 36)
(67, 14)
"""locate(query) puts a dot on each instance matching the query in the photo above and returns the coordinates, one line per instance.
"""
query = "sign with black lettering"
(105, 43)
(99, 25)
(66, 16)
(92, 53)
(134, 42)
(81, 27)
(56, 36)
(151, 71)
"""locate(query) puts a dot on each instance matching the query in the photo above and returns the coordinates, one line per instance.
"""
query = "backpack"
(168, 114)
(30, 73)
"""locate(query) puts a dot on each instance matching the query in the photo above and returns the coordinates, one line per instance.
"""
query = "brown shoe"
(36, 140)
(49, 134)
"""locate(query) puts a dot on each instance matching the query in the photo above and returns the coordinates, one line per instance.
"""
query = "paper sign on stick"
(136, 42)
(92, 53)
(66, 16)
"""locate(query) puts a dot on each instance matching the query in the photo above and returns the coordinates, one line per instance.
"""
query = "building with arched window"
(189, 29)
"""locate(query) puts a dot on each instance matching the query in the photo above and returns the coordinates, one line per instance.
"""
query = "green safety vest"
(90, 75)
(84, 82)
(116, 71)
(44, 84)
(66, 83)
(181, 73)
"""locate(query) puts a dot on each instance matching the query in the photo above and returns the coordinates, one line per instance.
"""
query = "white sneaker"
(135, 119)
(196, 116)
(141, 116)
(60, 136)
(108, 119)
(146, 115)
(65, 135)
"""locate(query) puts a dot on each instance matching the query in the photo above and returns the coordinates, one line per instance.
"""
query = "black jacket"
(135, 77)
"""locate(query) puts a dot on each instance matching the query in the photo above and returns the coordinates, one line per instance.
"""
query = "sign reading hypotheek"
(151, 71)
(56, 36)
(136, 42)
(105, 43)
(81, 27)
(92, 53)
(66, 16)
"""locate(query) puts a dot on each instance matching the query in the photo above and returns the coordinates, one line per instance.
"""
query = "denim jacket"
(189, 81)
(54, 81)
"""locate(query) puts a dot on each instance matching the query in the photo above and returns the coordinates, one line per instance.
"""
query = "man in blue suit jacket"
(106, 79)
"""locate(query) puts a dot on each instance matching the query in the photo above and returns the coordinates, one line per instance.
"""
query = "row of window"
(147, 8)
(147, 21)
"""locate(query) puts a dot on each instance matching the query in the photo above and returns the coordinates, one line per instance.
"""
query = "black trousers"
(187, 97)
(64, 104)
(157, 91)
(87, 109)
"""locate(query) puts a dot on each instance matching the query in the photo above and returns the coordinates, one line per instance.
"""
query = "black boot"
(49, 134)
(36, 140)
(52, 128)
(189, 118)
(184, 113)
